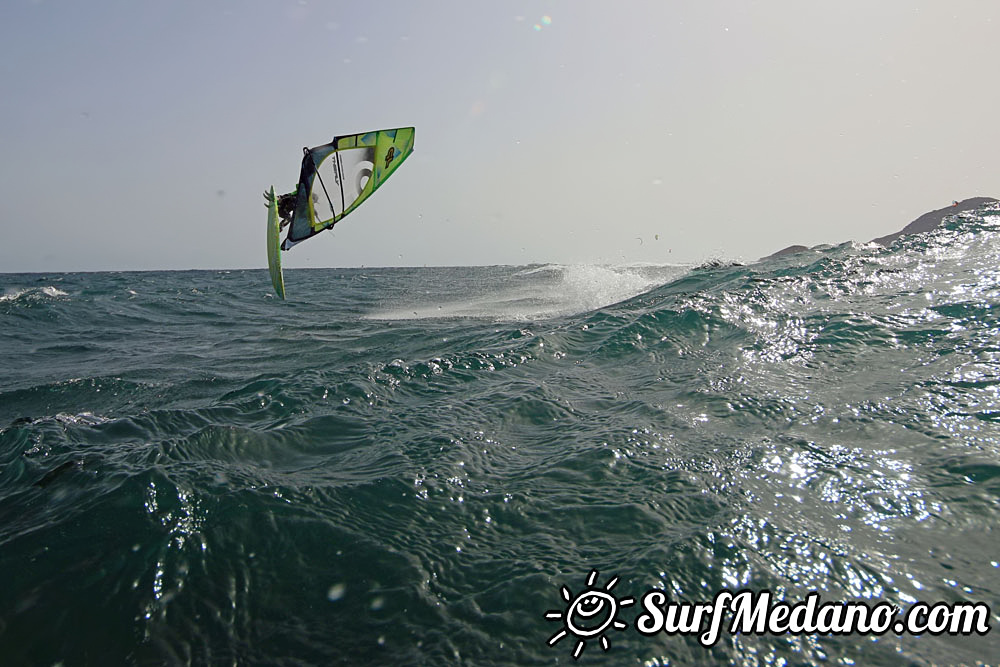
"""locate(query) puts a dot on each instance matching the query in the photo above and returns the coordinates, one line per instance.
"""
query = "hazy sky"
(139, 134)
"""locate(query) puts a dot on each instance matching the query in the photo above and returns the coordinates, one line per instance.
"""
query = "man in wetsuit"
(286, 206)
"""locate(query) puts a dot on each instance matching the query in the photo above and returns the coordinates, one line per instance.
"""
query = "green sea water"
(406, 465)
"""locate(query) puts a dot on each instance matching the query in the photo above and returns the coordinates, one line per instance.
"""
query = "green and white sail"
(339, 176)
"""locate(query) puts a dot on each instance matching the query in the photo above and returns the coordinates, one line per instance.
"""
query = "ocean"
(426, 466)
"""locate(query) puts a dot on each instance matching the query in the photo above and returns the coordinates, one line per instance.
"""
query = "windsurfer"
(286, 206)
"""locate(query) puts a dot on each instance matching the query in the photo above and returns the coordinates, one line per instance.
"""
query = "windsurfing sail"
(336, 178)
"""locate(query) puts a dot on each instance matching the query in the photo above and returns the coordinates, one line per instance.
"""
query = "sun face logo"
(589, 614)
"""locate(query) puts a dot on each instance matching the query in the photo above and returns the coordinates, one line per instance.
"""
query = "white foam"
(32, 292)
(541, 292)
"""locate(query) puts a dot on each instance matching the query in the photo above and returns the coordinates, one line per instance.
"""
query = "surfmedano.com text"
(757, 612)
